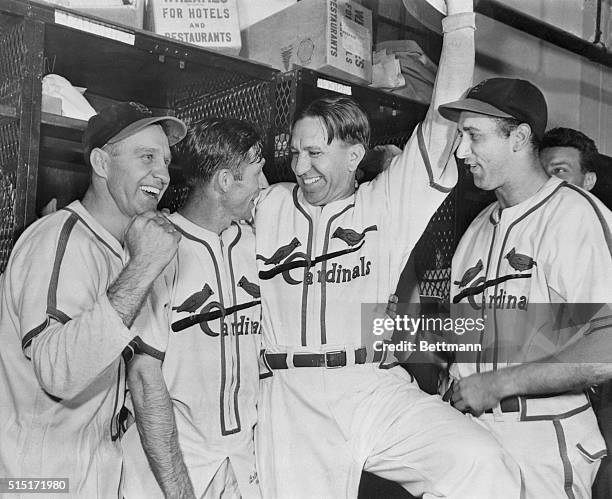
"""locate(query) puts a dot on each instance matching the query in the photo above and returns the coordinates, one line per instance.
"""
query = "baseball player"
(543, 246)
(324, 248)
(71, 301)
(211, 364)
(572, 156)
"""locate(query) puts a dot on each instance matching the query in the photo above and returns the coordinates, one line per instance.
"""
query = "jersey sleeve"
(152, 325)
(581, 268)
(419, 179)
(580, 274)
(67, 325)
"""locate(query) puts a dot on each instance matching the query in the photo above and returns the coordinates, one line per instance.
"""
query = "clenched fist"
(475, 393)
(152, 241)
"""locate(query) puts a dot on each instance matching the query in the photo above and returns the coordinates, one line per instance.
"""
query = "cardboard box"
(331, 36)
(252, 11)
(115, 11)
(212, 24)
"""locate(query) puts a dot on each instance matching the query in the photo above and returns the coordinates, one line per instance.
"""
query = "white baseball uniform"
(511, 264)
(318, 428)
(63, 376)
(210, 368)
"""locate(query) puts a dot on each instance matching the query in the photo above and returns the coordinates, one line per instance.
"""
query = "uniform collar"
(511, 212)
(78, 208)
(333, 207)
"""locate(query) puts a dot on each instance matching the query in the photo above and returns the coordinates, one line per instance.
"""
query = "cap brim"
(174, 129)
(452, 110)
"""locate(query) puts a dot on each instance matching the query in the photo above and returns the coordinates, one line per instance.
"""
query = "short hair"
(568, 137)
(342, 118)
(214, 144)
(505, 126)
(113, 149)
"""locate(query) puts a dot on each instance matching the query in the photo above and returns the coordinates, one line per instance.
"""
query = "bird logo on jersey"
(299, 259)
(351, 237)
(280, 253)
(470, 274)
(519, 262)
(195, 301)
(501, 298)
(215, 310)
(251, 288)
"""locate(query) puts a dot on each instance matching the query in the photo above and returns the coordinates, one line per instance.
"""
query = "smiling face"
(325, 172)
(137, 170)
(244, 190)
(485, 150)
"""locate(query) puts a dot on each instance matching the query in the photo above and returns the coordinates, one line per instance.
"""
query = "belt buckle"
(333, 352)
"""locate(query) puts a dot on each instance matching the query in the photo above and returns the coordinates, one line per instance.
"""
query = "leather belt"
(509, 404)
(330, 360)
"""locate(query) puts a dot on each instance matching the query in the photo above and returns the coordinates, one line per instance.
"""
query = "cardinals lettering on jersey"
(500, 299)
(215, 310)
(336, 274)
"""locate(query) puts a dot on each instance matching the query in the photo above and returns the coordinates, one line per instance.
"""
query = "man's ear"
(100, 162)
(223, 179)
(589, 181)
(521, 137)
(356, 152)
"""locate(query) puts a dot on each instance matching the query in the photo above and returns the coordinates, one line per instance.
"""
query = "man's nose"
(463, 149)
(300, 164)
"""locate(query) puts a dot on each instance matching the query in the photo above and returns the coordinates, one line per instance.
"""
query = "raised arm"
(455, 73)
(419, 179)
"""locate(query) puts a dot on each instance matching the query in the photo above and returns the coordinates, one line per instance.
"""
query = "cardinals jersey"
(515, 267)
(211, 367)
(62, 375)
(317, 265)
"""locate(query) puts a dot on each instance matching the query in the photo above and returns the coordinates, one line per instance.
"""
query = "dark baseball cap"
(503, 98)
(119, 121)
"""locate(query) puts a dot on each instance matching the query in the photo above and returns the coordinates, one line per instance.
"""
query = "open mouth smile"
(151, 191)
(311, 180)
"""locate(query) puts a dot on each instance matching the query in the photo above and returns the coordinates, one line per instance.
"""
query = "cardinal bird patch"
(520, 262)
(195, 301)
(281, 253)
(249, 287)
(470, 274)
(351, 237)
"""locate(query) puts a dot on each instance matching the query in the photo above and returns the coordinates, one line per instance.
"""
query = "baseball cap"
(503, 98)
(119, 121)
